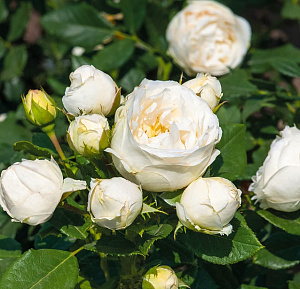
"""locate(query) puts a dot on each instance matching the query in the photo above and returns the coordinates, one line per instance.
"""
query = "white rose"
(161, 277)
(114, 203)
(31, 190)
(207, 87)
(165, 136)
(89, 134)
(207, 37)
(208, 205)
(91, 91)
(277, 182)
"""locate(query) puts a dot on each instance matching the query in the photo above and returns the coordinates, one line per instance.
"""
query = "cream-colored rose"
(31, 190)
(91, 91)
(114, 203)
(207, 37)
(160, 277)
(277, 182)
(164, 137)
(208, 205)
(89, 134)
(207, 87)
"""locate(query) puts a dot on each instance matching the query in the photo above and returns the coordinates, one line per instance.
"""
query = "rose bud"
(208, 205)
(31, 190)
(91, 91)
(89, 134)
(162, 277)
(114, 203)
(207, 36)
(277, 182)
(207, 87)
(40, 109)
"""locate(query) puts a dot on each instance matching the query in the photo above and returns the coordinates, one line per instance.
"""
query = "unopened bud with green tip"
(162, 277)
(89, 134)
(40, 109)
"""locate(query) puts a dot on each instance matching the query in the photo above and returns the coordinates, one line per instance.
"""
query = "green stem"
(77, 251)
(56, 144)
(139, 41)
(128, 265)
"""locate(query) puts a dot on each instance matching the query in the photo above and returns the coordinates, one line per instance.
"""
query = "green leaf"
(33, 149)
(78, 25)
(14, 62)
(171, 198)
(237, 84)
(148, 209)
(19, 21)
(44, 268)
(134, 13)
(287, 67)
(174, 251)
(13, 89)
(116, 245)
(238, 246)
(289, 222)
(281, 251)
(3, 11)
(229, 114)
(294, 285)
(10, 250)
(262, 59)
(132, 78)
(291, 10)
(232, 160)
(114, 55)
(153, 234)
(70, 223)
(243, 286)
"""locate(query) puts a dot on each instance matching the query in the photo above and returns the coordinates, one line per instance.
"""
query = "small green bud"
(40, 109)
(161, 277)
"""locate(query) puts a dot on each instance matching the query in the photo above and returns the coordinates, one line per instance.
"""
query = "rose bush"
(114, 203)
(31, 190)
(91, 91)
(208, 205)
(165, 136)
(277, 182)
(207, 37)
(207, 87)
(89, 134)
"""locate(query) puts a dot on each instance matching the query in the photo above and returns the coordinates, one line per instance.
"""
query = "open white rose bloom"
(31, 190)
(207, 87)
(89, 134)
(208, 205)
(114, 203)
(207, 37)
(277, 182)
(91, 91)
(164, 137)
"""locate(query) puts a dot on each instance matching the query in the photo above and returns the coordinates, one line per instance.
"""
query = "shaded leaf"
(134, 13)
(289, 222)
(19, 21)
(114, 55)
(14, 62)
(281, 251)
(237, 84)
(33, 149)
(70, 223)
(239, 245)
(78, 25)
